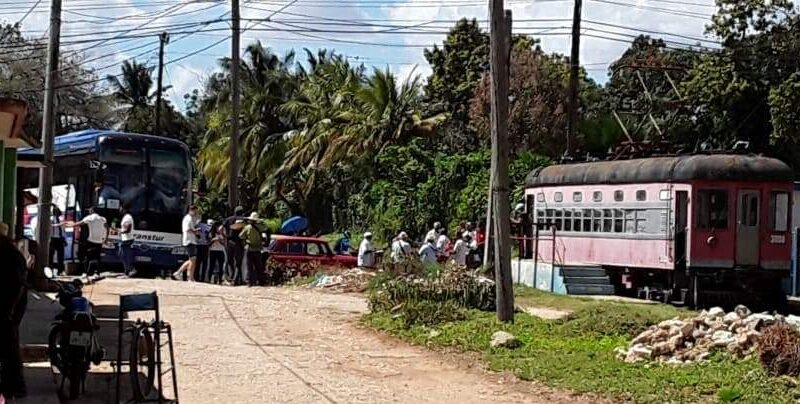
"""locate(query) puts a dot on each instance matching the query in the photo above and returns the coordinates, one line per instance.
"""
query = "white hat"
(254, 216)
(402, 235)
(466, 234)
(367, 235)
(210, 222)
(520, 206)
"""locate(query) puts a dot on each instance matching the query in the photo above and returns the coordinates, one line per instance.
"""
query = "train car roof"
(721, 167)
(85, 141)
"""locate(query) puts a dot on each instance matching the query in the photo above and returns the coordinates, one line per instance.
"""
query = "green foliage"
(429, 294)
(784, 104)
(581, 357)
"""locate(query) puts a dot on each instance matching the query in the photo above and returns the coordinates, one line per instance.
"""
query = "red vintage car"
(302, 251)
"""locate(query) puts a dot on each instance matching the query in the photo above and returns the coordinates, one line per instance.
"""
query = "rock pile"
(692, 340)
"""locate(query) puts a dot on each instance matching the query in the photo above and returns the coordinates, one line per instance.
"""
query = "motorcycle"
(72, 342)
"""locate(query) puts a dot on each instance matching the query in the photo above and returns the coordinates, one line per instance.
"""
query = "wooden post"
(233, 165)
(488, 227)
(574, 70)
(500, 53)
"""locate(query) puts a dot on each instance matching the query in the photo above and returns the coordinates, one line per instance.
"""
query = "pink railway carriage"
(695, 227)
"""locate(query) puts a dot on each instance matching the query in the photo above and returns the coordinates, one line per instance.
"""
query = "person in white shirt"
(461, 249)
(57, 240)
(126, 240)
(190, 232)
(98, 233)
(427, 253)
(441, 243)
(400, 247)
(366, 253)
(434, 232)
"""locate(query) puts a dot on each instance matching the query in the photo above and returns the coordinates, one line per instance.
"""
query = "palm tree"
(132, 90)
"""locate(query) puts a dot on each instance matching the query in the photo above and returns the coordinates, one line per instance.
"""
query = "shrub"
(618, 320)
(779, 350)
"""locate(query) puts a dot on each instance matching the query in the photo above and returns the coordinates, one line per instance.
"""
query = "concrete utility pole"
(233, 180)
(574, 69)
(163, 39)
(500, 53)
(48, 135)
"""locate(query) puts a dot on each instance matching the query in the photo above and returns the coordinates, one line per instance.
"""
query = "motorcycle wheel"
(54, 350)
(142, 363)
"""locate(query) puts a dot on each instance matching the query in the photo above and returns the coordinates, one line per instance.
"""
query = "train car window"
(630, 221)
(779, 211)
(540, 197)
(641, 195)
(608, 220)
(663, 195)
(540, 216)
(597, 220)
(577, 197)
(597, 196)
(587, 220)
(712, 209)
(567, 220)
(619, 218)
(577, 221)
(618, 196)
(641, 221)
(558, 197)
(558, 219)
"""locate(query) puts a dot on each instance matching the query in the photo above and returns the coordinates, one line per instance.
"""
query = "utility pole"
(48, 135)
(163, 39)
(233, 180)
(574, 69)
(500, 54)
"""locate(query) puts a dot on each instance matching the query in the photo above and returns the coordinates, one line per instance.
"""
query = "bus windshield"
(152, 180)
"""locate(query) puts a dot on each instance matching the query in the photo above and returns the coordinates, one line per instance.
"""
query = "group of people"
(230, 252)
(436, 246)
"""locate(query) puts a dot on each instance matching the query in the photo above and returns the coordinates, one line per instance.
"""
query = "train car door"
(681, 224)
(747, 237)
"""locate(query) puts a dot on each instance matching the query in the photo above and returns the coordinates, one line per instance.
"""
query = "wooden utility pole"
(574, 70)
(500, 53)
(488, 227)
(48, 135)
(233, 179)
(163, 39)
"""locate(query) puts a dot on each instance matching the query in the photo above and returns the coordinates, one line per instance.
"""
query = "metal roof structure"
(720, 167)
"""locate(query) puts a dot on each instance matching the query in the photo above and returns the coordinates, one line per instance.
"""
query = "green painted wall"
(9, 186)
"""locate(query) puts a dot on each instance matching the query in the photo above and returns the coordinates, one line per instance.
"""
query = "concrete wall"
(525, 273)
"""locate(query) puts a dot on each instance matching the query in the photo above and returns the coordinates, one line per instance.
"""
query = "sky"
(379, 33)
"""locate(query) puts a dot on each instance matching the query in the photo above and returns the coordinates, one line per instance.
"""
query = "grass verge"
(576, 353)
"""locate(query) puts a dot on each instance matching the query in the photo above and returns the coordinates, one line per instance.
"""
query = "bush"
(618, 320)
(779, 350)
(428, 294)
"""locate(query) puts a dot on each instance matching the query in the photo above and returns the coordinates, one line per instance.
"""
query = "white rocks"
(678, 341)
(502, 339)
(715, 312)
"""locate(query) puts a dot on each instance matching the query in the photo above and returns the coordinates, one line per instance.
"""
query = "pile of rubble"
(692, 340)
(348, 281)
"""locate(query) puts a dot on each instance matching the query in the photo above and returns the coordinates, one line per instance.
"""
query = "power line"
(22, 19)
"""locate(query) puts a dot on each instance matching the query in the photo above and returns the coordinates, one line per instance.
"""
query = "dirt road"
(280, 345)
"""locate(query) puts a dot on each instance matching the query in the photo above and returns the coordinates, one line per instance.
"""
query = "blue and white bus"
(152, 175)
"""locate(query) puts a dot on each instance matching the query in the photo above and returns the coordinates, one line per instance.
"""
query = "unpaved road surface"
(282, 345)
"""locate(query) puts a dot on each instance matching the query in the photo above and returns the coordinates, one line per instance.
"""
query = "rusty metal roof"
(721, 167)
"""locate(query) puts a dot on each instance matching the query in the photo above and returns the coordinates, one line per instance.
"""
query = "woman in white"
(461, 250)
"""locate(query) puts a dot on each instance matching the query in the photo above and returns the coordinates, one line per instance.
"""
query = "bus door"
(747, 235)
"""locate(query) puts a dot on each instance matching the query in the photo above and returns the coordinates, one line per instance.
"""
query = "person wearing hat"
(366, 252)
(190, 235)
(434, 232)
(253, 245)
(400, 247)
(427, 253)
(461, 249)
